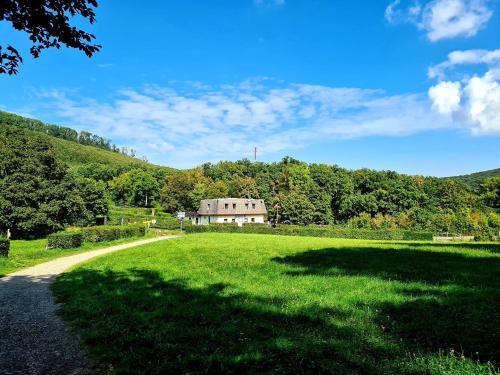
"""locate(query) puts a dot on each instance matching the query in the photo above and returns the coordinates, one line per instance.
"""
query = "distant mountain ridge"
(474, 180)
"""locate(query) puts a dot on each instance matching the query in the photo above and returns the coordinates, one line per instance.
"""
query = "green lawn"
(25, 253)
(241, 303)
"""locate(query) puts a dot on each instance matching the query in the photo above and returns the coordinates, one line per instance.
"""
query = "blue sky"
(411, 86)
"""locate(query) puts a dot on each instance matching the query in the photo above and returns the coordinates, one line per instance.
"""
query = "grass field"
(25, 253)
(240, 303)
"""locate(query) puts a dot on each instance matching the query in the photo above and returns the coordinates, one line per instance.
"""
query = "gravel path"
(33, 339)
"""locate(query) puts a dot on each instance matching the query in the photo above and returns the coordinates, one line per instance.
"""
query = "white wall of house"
(240, 219)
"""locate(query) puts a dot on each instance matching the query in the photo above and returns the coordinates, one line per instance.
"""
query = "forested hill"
(474, 180)
(62, 132)
(78, 148)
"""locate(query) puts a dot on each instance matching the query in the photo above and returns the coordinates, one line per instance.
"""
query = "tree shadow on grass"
(493, 247)
(142, 324)
(456, 309)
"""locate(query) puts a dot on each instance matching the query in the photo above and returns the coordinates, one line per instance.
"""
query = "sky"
(411, 86)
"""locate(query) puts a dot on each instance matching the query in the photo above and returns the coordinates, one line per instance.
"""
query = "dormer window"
(253, 206)
(208, 206)
(234, 206)
(226, 206)
(246, 206)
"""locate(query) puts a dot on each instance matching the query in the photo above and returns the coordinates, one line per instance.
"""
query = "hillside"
(474, 180)
(75, 148)
(75, 154)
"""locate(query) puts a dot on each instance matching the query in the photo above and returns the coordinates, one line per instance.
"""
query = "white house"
(230, 210)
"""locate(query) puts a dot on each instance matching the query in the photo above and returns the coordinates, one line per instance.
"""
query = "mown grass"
(241, 303)
(25, 253)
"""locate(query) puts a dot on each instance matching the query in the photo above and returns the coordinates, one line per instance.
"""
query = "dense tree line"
(40, 194)
(327, 194)
(317, 194)
(83, 137)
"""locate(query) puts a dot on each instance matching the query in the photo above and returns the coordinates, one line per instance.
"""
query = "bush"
(314, 231)
(111, 232)
(64, 240)
(4, 247)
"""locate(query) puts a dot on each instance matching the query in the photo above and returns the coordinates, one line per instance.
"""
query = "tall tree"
(47, 23)
(135, 188)
(176, 192)
(243, 187)
(37, 194)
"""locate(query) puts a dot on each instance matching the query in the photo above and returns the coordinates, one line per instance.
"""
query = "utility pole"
(255, 153)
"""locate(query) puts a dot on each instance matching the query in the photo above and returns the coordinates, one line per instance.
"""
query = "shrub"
(111, 232)
(64, 240)
(314, 231)
(4, 247)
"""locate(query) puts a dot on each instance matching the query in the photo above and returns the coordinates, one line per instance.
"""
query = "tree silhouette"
(48, 24)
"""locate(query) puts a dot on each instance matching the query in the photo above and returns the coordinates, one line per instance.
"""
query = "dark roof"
(224, 206)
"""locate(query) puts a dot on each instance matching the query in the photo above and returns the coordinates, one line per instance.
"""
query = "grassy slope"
(474, 180)
(73, 154)
(26, 253)
(253, 303)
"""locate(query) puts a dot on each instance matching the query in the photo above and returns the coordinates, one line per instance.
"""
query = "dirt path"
(33, 339)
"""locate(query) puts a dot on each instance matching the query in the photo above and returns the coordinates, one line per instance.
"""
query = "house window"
(234, 206)
(253, 206)
(226, 206)
(225, 220)
(246, 220)
(233, 220)
(246, 206)
(253, 220)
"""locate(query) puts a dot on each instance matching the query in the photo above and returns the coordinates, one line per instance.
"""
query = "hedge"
(4, 247)
(64, 240)
(170, 223)
(111, 232)
(314, 231)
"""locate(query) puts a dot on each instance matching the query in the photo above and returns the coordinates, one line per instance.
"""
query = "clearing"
(258, 303)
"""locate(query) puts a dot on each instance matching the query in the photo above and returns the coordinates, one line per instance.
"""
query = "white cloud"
(187, 126)
(445, 19)
(467, 57)
(479, 101)
(445, 97)
(483, 107)
(442, 19)
(391, 12)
